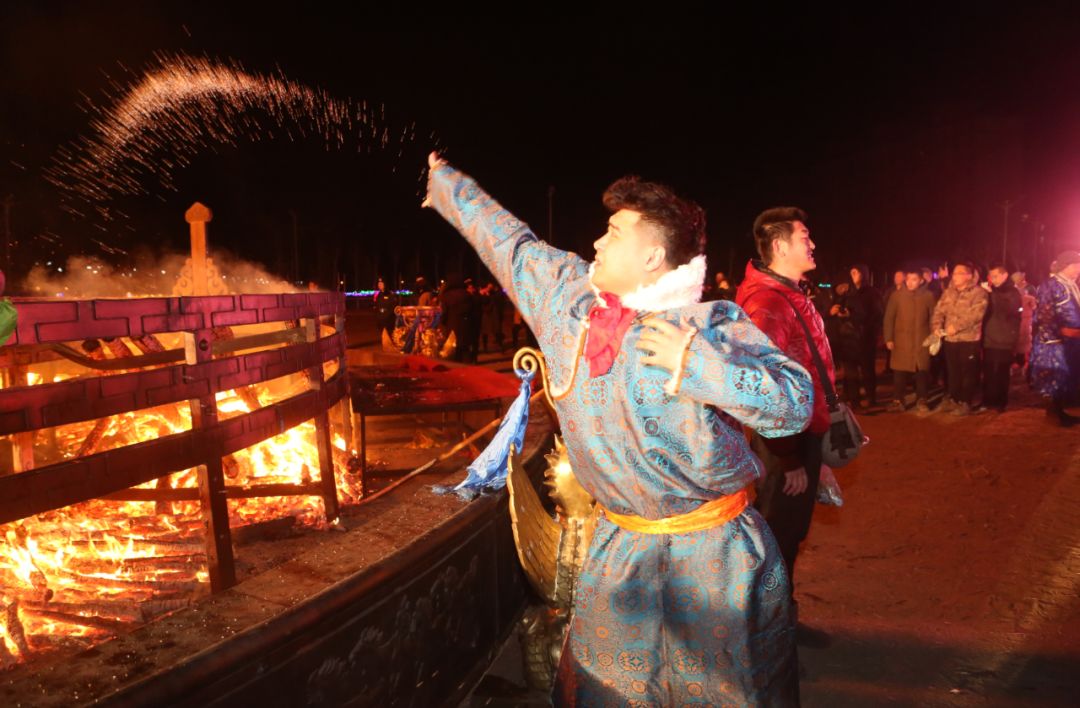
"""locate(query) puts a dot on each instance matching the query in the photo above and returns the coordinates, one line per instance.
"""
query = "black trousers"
(997, 363)
(962, 362)
(901, 380)
(869, 370)
(788, 516)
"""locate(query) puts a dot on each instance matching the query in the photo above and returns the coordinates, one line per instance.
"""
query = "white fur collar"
(676, 288)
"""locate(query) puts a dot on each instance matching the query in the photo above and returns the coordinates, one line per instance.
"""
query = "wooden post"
(198, 216)
(348, 428)
(212, 501)
(22, 444)
(323, 437)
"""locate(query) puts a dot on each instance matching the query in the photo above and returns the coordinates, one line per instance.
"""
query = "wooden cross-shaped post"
(198, 216)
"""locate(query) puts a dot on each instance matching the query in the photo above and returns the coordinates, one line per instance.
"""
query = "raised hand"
(433, 161)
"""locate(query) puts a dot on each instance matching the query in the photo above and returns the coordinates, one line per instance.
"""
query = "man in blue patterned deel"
(1055, 346)
(684, 597)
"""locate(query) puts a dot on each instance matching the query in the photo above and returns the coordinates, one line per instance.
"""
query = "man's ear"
(656, 259)
(778, 247)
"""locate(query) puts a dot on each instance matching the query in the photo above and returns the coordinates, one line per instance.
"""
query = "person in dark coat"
(492, 303)
(384, 302)
(872, 309)
(454, 300)
(472, 324)
(844, 326)
(906, 327)
(1001, 334)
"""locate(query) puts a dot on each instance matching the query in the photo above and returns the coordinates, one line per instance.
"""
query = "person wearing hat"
(1055, 349)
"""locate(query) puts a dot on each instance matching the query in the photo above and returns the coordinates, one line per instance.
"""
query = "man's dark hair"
(681, 222)
(774, 224)
(999, 266)
(915, 271)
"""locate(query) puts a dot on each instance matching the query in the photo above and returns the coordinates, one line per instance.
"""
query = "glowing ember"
(181, 105)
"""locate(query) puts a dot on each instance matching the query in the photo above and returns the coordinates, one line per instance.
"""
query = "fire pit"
(141, 432)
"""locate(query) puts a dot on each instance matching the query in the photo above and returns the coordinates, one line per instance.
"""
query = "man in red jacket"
(770, 294)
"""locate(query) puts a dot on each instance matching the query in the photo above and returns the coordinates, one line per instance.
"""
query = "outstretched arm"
(538, 277)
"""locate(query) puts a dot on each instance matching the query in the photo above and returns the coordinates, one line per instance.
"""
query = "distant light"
(59, 269)
(163, 272)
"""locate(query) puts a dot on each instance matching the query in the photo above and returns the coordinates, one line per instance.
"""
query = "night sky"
(900, 132)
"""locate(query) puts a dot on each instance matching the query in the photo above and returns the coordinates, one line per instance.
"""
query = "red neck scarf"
(607, 327)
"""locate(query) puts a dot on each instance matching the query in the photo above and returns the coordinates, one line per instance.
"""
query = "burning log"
(93, 438)
(123, 611)
(188, 585)
(93, 349)
(7, 659)
(105, 624)
(118, 349)
(46, 643)
(15, 627)
(246, 393)
(148, 344)
(178, 562)
(161, 546)
(156, 608)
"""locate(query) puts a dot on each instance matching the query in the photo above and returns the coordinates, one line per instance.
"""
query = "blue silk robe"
(1055, 360)
(670, 619)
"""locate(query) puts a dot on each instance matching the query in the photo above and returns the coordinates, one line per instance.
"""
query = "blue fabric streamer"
(410, 337)
(489, 469)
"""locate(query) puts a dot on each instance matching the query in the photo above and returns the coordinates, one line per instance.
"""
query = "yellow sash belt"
(709, 515)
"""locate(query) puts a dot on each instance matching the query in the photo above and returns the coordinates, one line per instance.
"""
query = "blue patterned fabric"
(672, 619)
(1055, 360)
(489, 469)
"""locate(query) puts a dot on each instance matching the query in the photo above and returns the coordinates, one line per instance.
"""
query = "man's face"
(628, 253)
(1071, 271)
(912, 281)
(998, 277)
(856, 277)
(797, 251)
(898, 278)
(961, 277)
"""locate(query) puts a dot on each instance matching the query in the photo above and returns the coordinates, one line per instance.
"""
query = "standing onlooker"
(425, 296)
(472, 322)
(897, 286)
(907, 325)
(871, 306)
(385, 316)
(1028, 304)
(844, 327)
(723, 289)
(456, 313)
(1001, 332)
(958, 318)
(491, 320)
(941, 283)
(771, 294)
(1055, 350)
